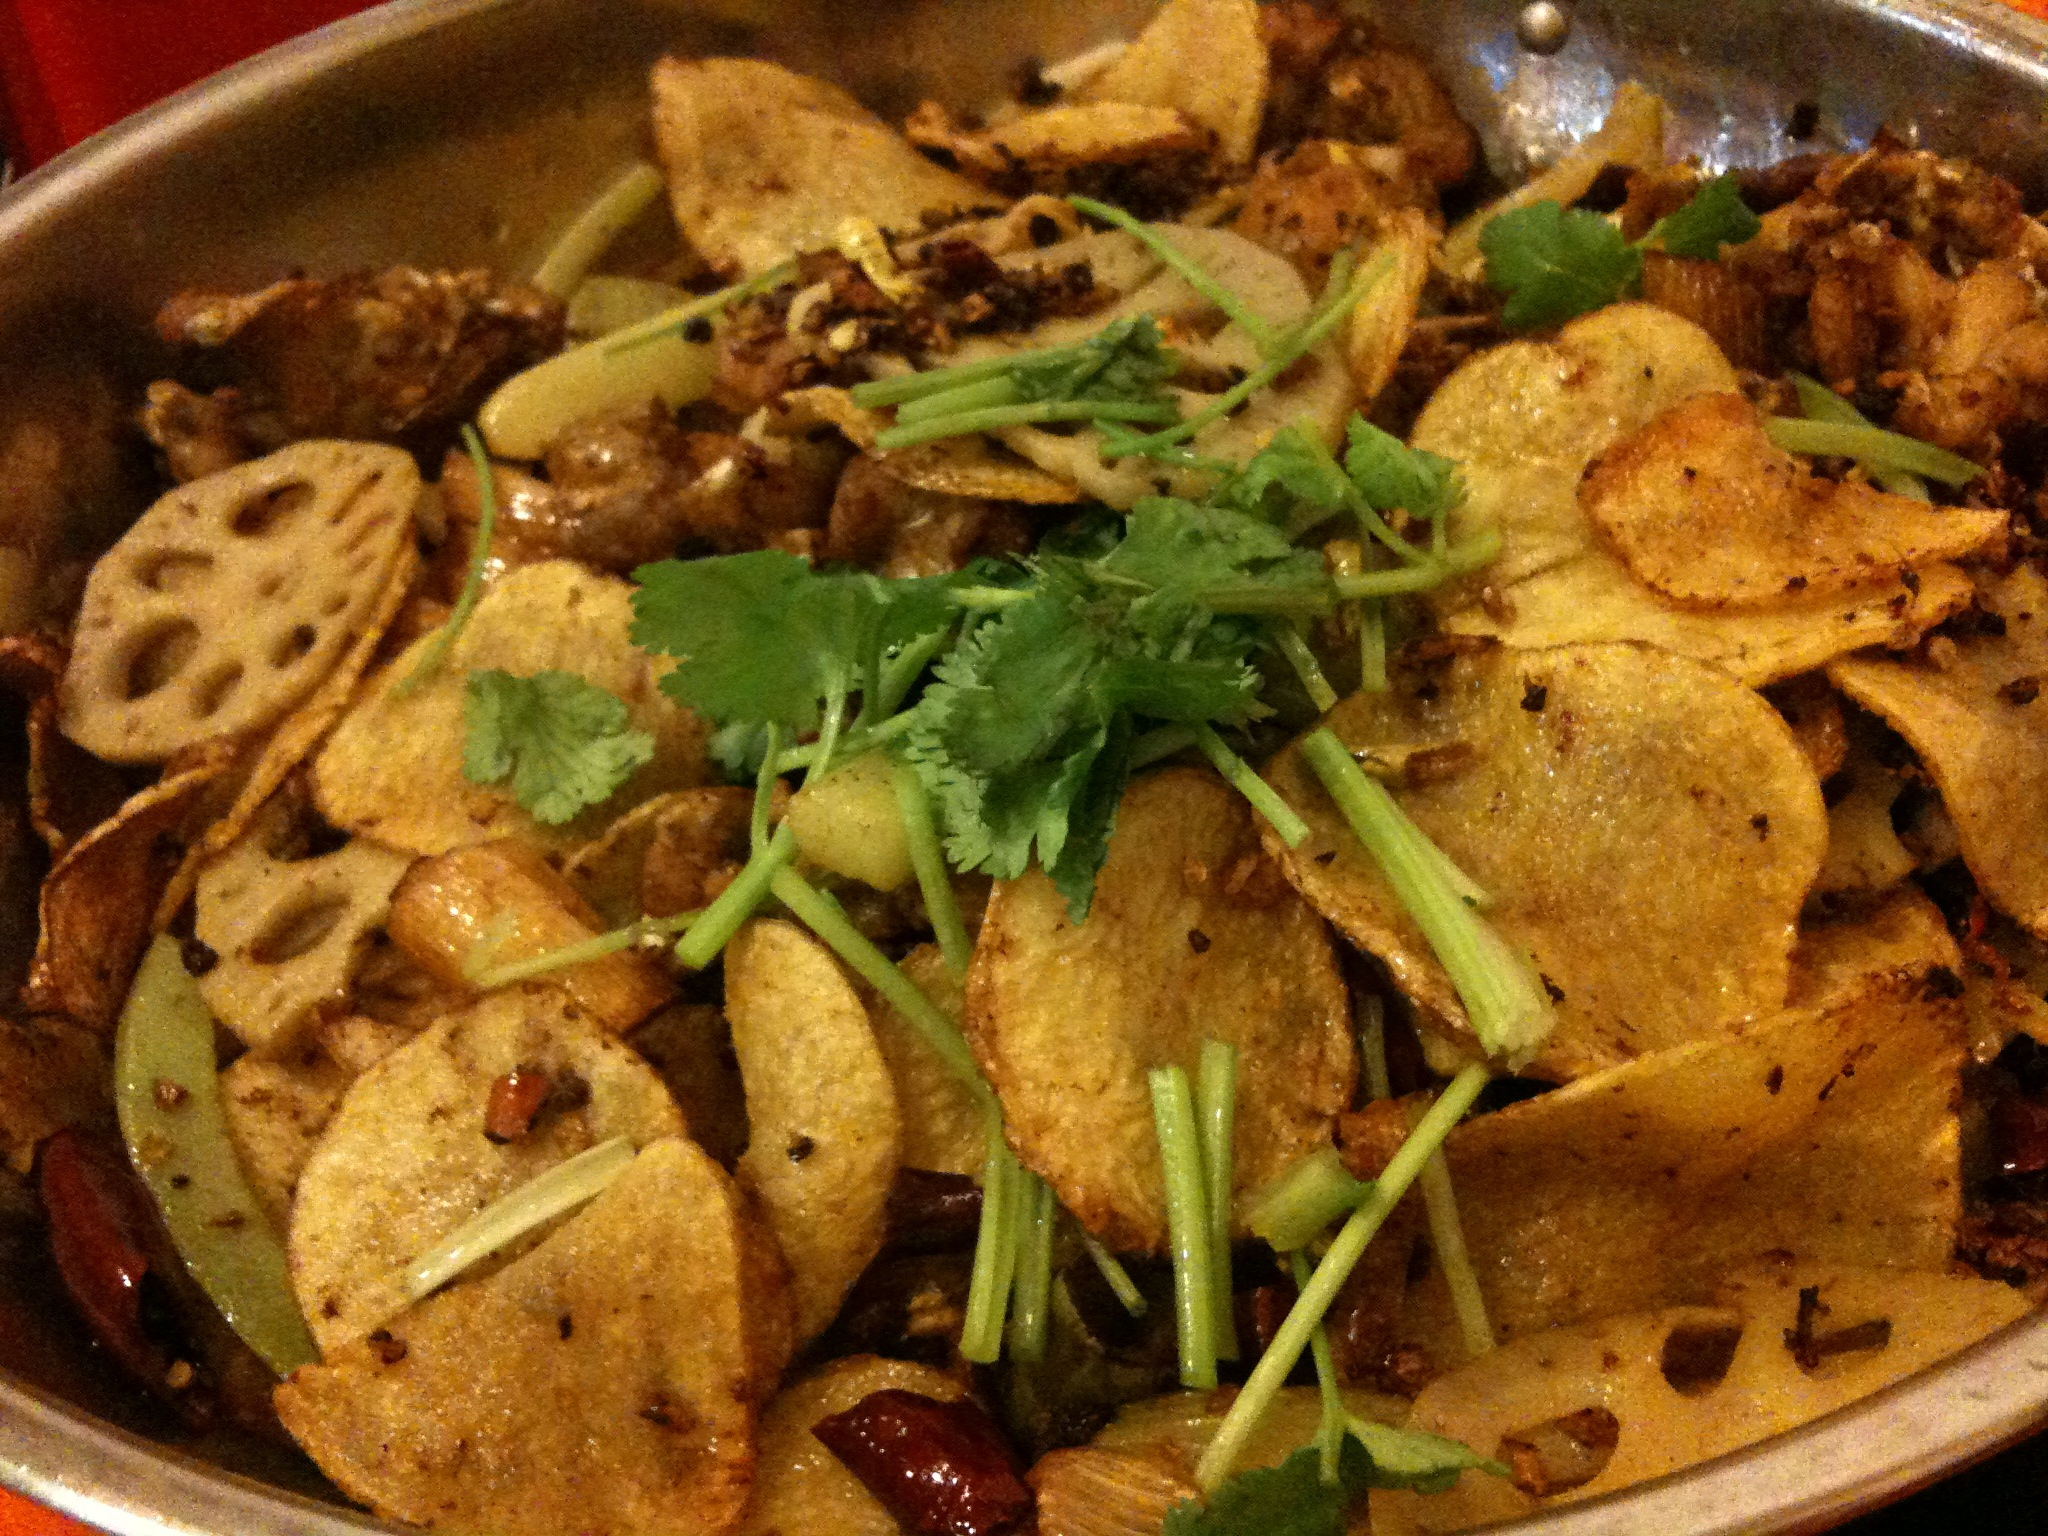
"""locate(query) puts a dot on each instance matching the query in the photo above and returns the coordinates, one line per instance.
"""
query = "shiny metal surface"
(462, 131)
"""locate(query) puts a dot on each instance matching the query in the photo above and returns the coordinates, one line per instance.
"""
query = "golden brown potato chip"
(1522, 421)
(1864, 852)
(275, 1111)
(1058, 138)
(1667, 1419)
(1977, 720)
(954, 466)
(1682, 788)
(1206, 59)
(607, 1382)
(392, 769)
(96, 903)
(234, 596)
(1592, 598)
(52, 1074)
(1903, 935)
(1377, 332)
(295, 738)
(501, 902)
(942, 1124)
(69, 790)
(690, 1045)
(1703, 507)
(1831, 1135)
(764, 164)
(799, 1486)
(405, 1160)
(822, 1108)
(1193, 936)
(288, 934)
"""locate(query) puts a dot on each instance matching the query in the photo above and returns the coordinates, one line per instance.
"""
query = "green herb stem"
(979, 395)
(1295, 346)
(1309, 1309)
(1372, 646)
(489, 978)
(828, 922)
(855, 743)
(1187, 270)
(1293, 1209)
(1288, 639)
(932, 381)
(1822, 404)
(901, 672)
(1872, 446)
(1372, 1048)
(995, 1250)
(1216, 1121)
(1330, 1432)
(1160, 743)
(1447, 1238)
(732, 906)
(1503, 999)
(1114, 1275)
(1194, 1287)
(995, 418)
(1264, 797)
(1031, 1287)
(472, 579)
(764, 790)
(672, 321)
(928, 859)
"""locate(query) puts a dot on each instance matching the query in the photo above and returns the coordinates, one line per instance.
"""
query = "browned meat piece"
(1333, 79)
(699, 846)
(370, 355)
(529, 527)
(894, 529)
(198, 435)
(1310, 204)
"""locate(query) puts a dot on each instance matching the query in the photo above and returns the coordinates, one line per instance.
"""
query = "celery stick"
(1447, 1237)
(1291, 1210)
(1216, 1120)
(1114, 1275)
(1272, 1371)
(1872, 446)
(1033, 413)
(932, 381)
(1372, 646)
(1188, 270)
(1330, 1432)
(593, 230)
(928, 859)
(1194, 1292)
(1264, 798)
(717, 923)
(1822, 404)
(437, 649)
(995, 1251)
(167, 1095)
(487, 978)
(979, 395)
(1372, 1048)
(1160, 742)
(562, 1188)
(1291, 645)
(1031, 1289)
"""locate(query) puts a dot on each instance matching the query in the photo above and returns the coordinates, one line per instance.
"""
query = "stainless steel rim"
(1848, 1462)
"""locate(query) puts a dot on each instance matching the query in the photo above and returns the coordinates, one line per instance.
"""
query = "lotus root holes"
(294, 646)
(298, 929)
(159, 655)
(214, 689)
(260, 515)
(174, 572)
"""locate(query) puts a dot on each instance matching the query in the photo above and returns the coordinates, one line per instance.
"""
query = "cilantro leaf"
(1390, 474)
(1291, 472)
(1288, 1500)
(1715, 217)
(1125, 360)
(1414, 1458)
(764, 640)
(563, 742)
(1555, 262)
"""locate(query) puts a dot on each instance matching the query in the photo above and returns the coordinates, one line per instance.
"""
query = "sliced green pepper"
(168, 1096)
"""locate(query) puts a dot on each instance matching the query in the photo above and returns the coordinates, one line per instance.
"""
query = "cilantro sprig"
(563, 742)
(1295, 1499)
(1555, 262)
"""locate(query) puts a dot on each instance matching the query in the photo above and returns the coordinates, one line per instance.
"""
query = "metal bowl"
(464, 131)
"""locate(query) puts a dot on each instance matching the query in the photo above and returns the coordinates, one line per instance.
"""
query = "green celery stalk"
(594, 229)
(1216, 1121)
(995, 417)
(717, 923)
(1288, 639)
(1330, 1432)
(980, 395)
(995, 1250)
(1372, 646)
(764, 792)
(1507, 1007)
(1264, 798)
(1291, 1210)
(1194, 1289)
(928, 859)
(472, 580)
(167, 1095)
(1872, 446)
(488, 978)
(1822, 404)
(931, 381)
(1278, 1362)
(1031, 1288)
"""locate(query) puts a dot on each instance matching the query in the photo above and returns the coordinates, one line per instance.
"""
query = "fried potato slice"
(1193, 936)
(405, 1160)
(822, 1108)
(1981, 727)
(1829, 1134)
(1631, 1367)
(1703, 507)
(1522, 421)
(801, 1486)
(1057, 138)
(942, 1125)
(1903, 936)
(607, 1382)
(690, 1045)
(233, 597)
(289, 934)
(1864, 852)
(953, 466)
(96, 902)
(1377, 332)
(1685, 790)
(392, 769)
(764, 164)
(1205, 59)
(69, 790)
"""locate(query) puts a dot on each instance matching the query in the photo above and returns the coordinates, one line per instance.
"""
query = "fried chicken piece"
(894, 529)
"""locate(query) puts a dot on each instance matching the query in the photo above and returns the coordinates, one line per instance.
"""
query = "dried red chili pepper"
(941, 1469)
